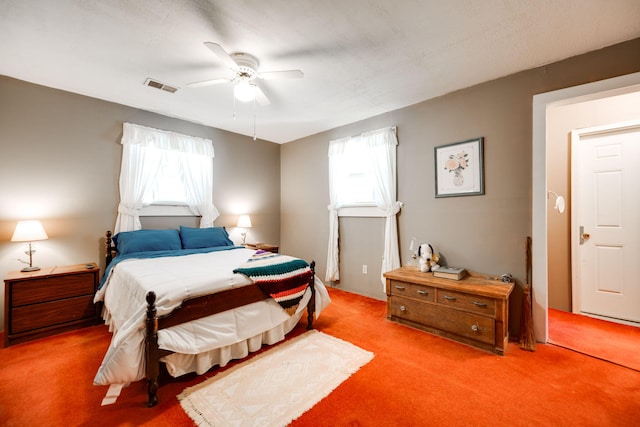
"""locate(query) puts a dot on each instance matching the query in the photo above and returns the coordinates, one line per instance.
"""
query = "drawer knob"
(479, 304)
(423, 292)
(448, 298)
(400, 288)
(474, 328)
(403, 308)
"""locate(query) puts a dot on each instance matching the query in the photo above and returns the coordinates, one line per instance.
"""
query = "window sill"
(166, 210)
(362, 211)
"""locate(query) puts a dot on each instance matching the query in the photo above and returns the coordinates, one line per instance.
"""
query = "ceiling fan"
(245, 69)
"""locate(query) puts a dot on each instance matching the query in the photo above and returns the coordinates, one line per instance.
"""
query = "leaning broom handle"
(527, 334)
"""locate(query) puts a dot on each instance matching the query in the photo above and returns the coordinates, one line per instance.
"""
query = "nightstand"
(263, 246)
(49, 301)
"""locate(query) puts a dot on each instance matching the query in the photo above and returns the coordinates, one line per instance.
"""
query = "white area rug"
(277, 386)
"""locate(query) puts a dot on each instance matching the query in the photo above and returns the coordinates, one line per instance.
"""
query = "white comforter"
(200, 344)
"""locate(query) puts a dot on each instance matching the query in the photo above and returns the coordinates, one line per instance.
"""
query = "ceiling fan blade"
(208, 82)
(222, 54)
(285, 74)
(261, 98)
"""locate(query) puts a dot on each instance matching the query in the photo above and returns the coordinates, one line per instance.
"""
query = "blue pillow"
(197, 238)
(147, 240)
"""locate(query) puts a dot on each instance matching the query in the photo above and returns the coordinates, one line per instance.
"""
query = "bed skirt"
(180, 364)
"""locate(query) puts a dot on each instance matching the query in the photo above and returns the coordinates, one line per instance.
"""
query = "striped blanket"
(282, 277)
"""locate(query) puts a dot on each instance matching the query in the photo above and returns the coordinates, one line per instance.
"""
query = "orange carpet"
(415, 379)
(609, 341)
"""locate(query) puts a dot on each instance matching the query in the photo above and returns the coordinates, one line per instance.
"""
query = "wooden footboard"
(196, 308)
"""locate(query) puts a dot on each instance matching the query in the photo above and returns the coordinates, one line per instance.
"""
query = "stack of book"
(454, 273)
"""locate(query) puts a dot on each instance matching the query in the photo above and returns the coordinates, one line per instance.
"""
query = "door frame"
(541, 102)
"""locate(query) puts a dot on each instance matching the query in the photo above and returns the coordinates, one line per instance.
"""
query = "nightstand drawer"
(52, 313)
(412, 290)
(475, 303)
(52, 288)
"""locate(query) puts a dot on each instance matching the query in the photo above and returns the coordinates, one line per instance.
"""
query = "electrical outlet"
(364, 269)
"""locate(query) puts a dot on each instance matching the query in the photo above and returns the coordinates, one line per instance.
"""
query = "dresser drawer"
(462, 301)
(409, 309)
(412, 290)
(442, 318)
(52, 288)
(464, 324)
(52, 313)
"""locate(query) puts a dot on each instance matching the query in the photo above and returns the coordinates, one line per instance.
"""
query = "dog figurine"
(427, 258)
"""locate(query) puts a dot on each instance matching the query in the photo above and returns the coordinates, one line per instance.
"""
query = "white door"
(605, 221)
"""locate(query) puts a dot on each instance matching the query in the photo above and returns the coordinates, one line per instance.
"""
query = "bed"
(191, 299)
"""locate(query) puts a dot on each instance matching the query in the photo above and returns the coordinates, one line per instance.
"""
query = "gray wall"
(482, 233)
(60, 159)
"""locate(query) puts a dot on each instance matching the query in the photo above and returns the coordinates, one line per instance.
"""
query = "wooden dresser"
(474, 310)
(49, 301)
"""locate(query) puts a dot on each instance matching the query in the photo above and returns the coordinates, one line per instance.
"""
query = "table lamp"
(244, 222)
(29, 231)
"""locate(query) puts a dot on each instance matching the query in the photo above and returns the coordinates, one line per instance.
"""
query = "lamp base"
(27, 269)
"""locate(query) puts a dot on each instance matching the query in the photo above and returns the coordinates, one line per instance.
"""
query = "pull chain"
(254, 119)
(234, 108)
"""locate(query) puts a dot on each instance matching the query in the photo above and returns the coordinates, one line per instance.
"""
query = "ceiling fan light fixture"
(244, 91)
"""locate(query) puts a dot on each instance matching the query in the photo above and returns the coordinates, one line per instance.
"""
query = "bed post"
(108, 254)
(152, 368)
(311, 305)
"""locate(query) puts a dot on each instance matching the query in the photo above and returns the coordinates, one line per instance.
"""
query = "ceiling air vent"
(156, 84)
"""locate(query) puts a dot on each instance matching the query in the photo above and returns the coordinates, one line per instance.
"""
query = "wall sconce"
(244, 222)
(29, 231)
(560, 203)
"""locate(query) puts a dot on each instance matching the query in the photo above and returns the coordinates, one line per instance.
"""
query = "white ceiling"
(360, 57)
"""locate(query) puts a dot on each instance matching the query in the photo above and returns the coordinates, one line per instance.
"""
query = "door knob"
(583, 236)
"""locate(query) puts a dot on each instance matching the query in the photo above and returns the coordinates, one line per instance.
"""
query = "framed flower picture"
(460, 168)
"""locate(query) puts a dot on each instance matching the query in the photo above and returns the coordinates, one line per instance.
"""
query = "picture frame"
(460, 168)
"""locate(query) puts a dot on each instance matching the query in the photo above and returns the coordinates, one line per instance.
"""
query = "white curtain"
(143, 149)
(336, 174)
(197, 178)
(379, 147)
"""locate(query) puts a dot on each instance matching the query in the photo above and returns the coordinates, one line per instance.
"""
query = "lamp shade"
(29, 231)
(244, 221)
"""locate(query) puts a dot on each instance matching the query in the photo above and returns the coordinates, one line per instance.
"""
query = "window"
(167, 195)
(167, 187)
(358, 167)
(362, 182)
(159, 168)
(356, 185)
